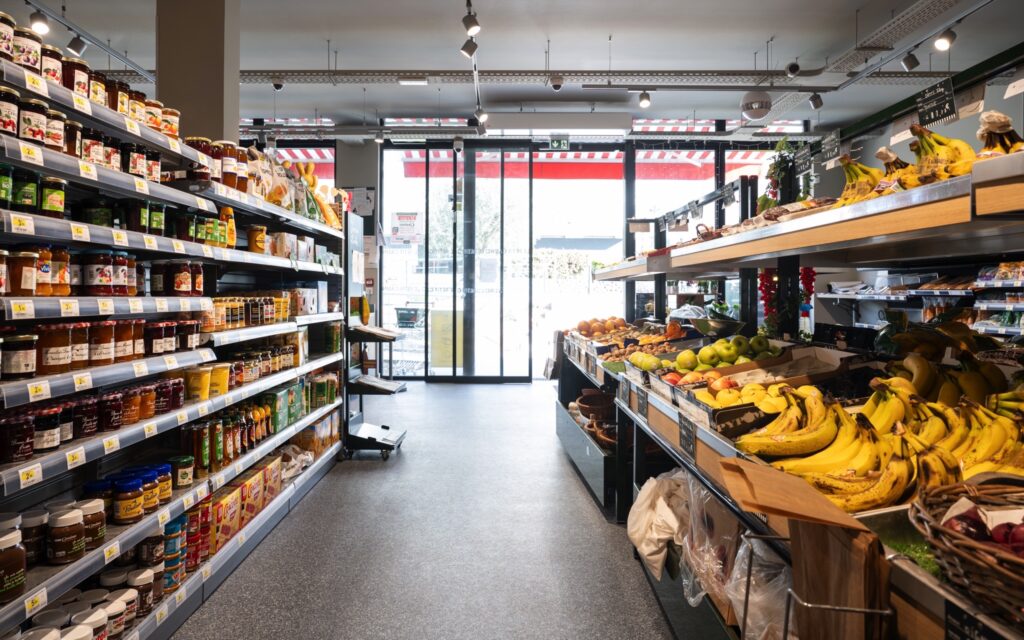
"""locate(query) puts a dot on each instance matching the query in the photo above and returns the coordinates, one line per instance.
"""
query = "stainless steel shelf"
(318, 318)
(83, 307)
(997, 331)
(318, 362)
(98, 116)
(875, 297)
(981, 305)
(221, 338)
(940, 293)
(999, 284)
(41, 388)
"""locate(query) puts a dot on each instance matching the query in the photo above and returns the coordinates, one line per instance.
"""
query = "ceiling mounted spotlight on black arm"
(945, 40)
(77, 45)
(40, 24)
(645, 100)
(469, 21)
(481, 115)
(815, 101)
(910, 62)
(469, 48)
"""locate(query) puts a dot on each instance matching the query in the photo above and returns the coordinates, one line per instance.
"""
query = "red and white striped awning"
(321, 157)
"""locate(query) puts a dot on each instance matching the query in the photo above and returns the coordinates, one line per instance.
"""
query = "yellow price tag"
(170, 362)
(207, 571)
(75, 457)
(206, 304)
(161, 614)
(206, 355)
(35, 82)
(120, 237)
(141, 186)
(68, 307)
(202, 491)
(239, 468)
(180, 596)
(81, 104)
(178, 246)
(182, 417)
(141, 369)
(150, 242)
(105, 306)
(111, 552)
(163, 517)
(35, 602)
(23, 310)
(22, 224)
(30, 475)
(83, 381)
(207, 251)
(111, 444)
(149, 429)
(204, 408)
(30, 153)
(188, 501)
(79, 232)
(217, 481)
(184, 304)
(208, 161)
(87, 170)
(132, 126)
(161, 305)
(241, 538)
(134, 305)
(174, 145)
(39, 390)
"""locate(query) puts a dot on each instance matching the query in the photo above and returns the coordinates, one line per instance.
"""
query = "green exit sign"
(559, 143)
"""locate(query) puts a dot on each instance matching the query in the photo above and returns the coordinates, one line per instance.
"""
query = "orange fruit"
(609, 325)
(583, 326)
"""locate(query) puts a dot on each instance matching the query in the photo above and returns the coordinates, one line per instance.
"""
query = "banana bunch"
(1009, 404)
(941, 157)
(807, 425)
(861, 181)
(885, 488)
(990, 438)
(997, 135)
(897, 171)
(975, 379)
(936, 467)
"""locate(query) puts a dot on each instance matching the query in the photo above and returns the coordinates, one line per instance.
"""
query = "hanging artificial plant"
(778, 173)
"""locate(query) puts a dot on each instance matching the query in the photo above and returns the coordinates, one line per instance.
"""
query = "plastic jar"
(137, 106)
(53, 350)
(147, 401)
(165, 480)
(33, 535)
(32, 119)
(25, 194)
(79, 345)
(153, 165)
(6, 52)
(13, 564)
(73, 138)
(19, 357)
(162, 399)
(133, 159)
(101, 343)
(98, 87)
(55, 121)
(127, 501)
(151, 550)
(116, 619)
(65, 539)
(75, 75)
(197, 171)
(111, 411)
(51, 201)
(182, 471)
(27, 49)
(86, 418)
(156, 218)
(9, 101)
(99, 272)
(131, 403)
(196, 272)
(142, 581)
(219, 379)
(133, 288)
(46, 425)
(94, 519)
(154, 114)
(92, 146)
(119, 282)
(197, 380)
(170, 122)
(180, 273)
(130, 598)
(95, 619)
(55, 618)
(60, 271)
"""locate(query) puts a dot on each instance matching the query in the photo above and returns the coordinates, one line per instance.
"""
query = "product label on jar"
(75, 273)
(156, 222)
(53, 200)
(198, 281)
(133, 278)
(127, 509)
(57, 356)
(33, 126)
(80, 352)
(140, 346)
(169, 124)
(170, 345)
(92, 151)
(6, 187)
(112, 158)
(137, 164)
(97, 92)
(25, 193)
(193, 341)
(120, 275)
(123, 348)
(101, 351)
(153, 170)
(27, 52)
(153, 115)
(227, 164)
(47, 439)
(43, 272)
(136, 110)
(60, 274)
(99, 274)
(52, 69)
(183, 282)
(123, 103)
(19, 361)
(55, 133)
(67, 431)
(28, 279)
(7, 39)
(9, 117)
(4, 288)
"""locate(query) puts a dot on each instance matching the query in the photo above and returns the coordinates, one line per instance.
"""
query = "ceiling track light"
(471, 24)
(645, 100)
(40, 24)
(378, 137)
(815, 101)
(945, 40)
(910, 62)
(77, 45)
(481, 115)
(469, 48)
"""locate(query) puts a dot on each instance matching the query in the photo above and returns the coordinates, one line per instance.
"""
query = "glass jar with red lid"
(196, 269)
(102, 343)
(17, 435)
(170, 336)
(163, 390)
(46, 424)
(119, 284)
(98, 272)
(111, 411)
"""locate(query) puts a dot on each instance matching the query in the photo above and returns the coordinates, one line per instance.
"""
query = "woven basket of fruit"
(977, 535)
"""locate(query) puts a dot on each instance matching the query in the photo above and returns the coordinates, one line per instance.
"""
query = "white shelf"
(997, 331)
(981, 305)
(318, 318)
(232, 336)
(999, 284)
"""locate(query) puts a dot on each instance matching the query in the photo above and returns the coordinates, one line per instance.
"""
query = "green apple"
(742, 344)
(721, 341)
(763, 355)
(727, 352)
(776, 351)
(703, 367)
(709, 356)
(742, 360)
(667, 364)
(759, 344)
(684, 371)
(686, 360)
(723, 364)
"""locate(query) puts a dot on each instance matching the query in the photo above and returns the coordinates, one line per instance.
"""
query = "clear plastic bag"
(709, 548)
(659, 515)
(770, 577)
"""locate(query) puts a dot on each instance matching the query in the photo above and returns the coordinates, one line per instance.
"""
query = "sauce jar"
(79, 345)
(65, 540)
(6, 36)
(92, 146)
(127, 501)
(170, 122)
(32, 118)
(73, 138)
(46, 423)
(177, 395)
(94, 519)
(153, 165)
(87, 417)
(133, 288)
(67, 422)
(124, 341)
(17, 436)
(117, 96)
(101, 343)
(119, 283)
(242, 170)
(19, 357)
(137, 106)
(154, 114)
(51, 66)
(133, 159)
(154, 337)
(75, 76)
(9, 100)
(51, 201)
(13, 563)
(147, 401)
(53, 349)
(98, 87)
(55, 123)
(27, 49)
(44, 262)
(139, 335)
(99, 272)
(60, 270)
(257, 239)
(182, 471)
(111, 411)
(131, 404)
(199, 171)
(130, 598)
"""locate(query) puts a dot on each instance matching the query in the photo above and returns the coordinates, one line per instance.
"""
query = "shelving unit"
(84, 306)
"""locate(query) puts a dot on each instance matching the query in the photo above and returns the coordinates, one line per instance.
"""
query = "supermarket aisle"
(479, 528)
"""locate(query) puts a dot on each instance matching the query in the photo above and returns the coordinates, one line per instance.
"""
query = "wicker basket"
(992, 577)
(597, 405)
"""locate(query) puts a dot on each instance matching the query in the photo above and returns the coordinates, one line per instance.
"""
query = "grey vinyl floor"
(478, 528)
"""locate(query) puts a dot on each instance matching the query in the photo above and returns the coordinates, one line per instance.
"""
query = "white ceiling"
(647, 35)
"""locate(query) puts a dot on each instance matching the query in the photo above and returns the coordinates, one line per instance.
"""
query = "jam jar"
(73, 138)
(117, 96)
(21, 273)
(75, 75)
(43, 265)
(92, 146)
(156, 277)
(162, 399)
(177, 397)
(99, 272)
(135, 215)
(124, 341)
(79, 345)
(228, 163)
(242, 170)
(46, 423)
(170, 120)
(156, 218)
(170, 343)
(98, 87)
(27, 48)
(154, 114)
(185, 226)
(111, 153)
(33, 120)
(196, 269)
(153, 165)
(6, 36)
(216, 154)
(147, 401)
(119, 261)
(60, 271)
(55, 123)
(51, 200)
(9, 100)
(133, 159)
(179, 275)
(17, 436)
(101, 342)
(111, 411)
(131, 404)
(53, 351)
(139, 338)
(154, 332)
(197, 171)
(137, 106)
(50, 63)
(133, 286)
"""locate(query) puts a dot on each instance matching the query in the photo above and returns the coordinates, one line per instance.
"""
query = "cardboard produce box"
(799, 366)
(226, 517)
(250, 486)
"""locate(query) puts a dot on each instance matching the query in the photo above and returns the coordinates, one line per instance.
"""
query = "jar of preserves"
(228, 163)
(182, 471)
(127, 501)
(162, 397)
(73, 138)
(188, 335)
(139, 337)
(7, 25)
(117, 96)
(54, 137)
(131, 400)
(79, 345)
(257, 239)
(177, 394)
(51, 201)
(154, 114)
(137, 106)
(46, 423)
(140, 278)
(133, 286)
(154, 332)
(170, 336)
(60, 270)
(147, 401)
(170, 122)
(44, 263)
(32, 118)
(75, 75)
(53, 351)
(133, 159)
(227, 216)
(50, 64)
(98, 87)
(198, 171)
(242, 170)
(124, 341)
(17, 436)
(156, 218)
(4, 284)
(27, 49)
(86, 418)
(65, 540)
(9, 101)
(156, 277)
(111, 411)
(97, 211)
(101, 343)
(119, 283)
(237, 374)
(92, 146)
(180, 273)
(152, 165)
(217, 155)
(185, 226)
(196, 269)
(111, 153)
(99, 272)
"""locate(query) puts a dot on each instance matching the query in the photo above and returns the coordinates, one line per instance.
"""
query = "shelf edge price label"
(120, 237)
(83, 381)
(217, 481)
(150, 242)
(30, 475)
(22, 224)
(132, 126)
(163, 517)
(30, 153)
(141, 186)
(207, 251)
(187, 502)
(134, 305)
(105, 306)
(206, 355)
(161, 305)
(35, 602)
(184, 304)
(141, 369)
(149, 429)
(204, 408)
(79, 232)
(23, 310)
(111, 444)
(39, 390)
(161, 614)
(170, 362)
(35, 82)
(111, 552)
(180, 596)
(207, 571)
(173, 144)
(81, 103)
(75, 457)
(241, 538)
(68, 307)
(178, 246)
(239, 468)
(202, 491)
(87, 170)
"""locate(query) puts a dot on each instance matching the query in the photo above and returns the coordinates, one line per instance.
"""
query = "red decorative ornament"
(807, 276)
(768, 286)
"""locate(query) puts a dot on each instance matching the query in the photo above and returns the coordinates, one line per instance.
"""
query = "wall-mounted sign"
(936, 104)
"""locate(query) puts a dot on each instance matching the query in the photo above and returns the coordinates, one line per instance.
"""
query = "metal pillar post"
(787, 301)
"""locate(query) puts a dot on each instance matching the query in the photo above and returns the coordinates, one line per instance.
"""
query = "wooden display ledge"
(999, 185)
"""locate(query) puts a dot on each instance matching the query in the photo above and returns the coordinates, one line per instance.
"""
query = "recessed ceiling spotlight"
(943, 42)
(39, 23)
(78, 46)
(815, 101)
(481, 115)
(910, 62)
(755, 105)
(645, 100)
(469, 48)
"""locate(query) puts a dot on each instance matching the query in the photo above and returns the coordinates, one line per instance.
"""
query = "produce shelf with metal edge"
(176, 609)
(37, 226)
(939, 293)
(21, 392)
(45, 583)
(997, 331)
(233, 336)
(253, 204)
(999, 284)
(26, 155)
(98, 116)
(998, 184)
(982, 305)
(317, 318)
(873, 297)
(36, 308)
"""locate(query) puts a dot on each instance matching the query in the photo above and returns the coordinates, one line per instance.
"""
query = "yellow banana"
(843, 448)
(990, 440)
(888, 414)
(841, 485)
(886, 490)
(933, 430)
(800, 442)
(867, 457)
